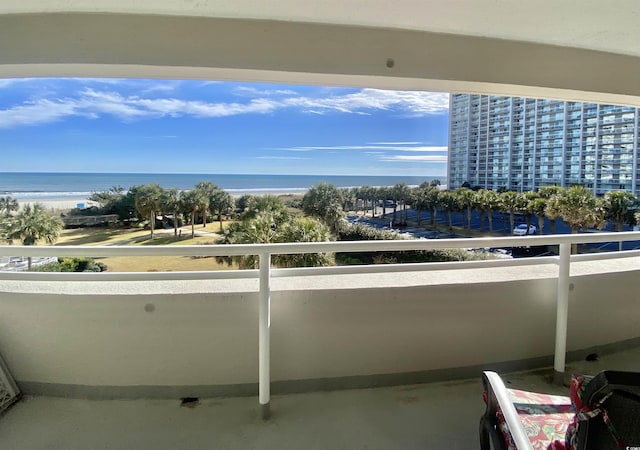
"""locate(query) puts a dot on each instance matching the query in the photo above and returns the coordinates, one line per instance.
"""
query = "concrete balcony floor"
(434, 416)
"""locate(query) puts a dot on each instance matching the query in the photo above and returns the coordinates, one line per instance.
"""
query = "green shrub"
(362, 232)
(51, 267)
(72, 265)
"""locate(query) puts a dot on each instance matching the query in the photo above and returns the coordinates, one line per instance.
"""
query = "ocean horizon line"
(222, 174)
(36, 186)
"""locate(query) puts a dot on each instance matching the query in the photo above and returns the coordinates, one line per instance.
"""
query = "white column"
(264, 335)
(562, 313)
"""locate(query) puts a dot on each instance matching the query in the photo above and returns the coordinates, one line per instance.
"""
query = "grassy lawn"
(98, 236)
(162, 264)
(134, 236)
(212, 227)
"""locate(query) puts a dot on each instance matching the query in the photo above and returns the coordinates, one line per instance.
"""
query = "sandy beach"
(59, 205)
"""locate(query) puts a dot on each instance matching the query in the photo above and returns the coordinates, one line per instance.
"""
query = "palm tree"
(265, 228)
(383, 193)
(148, 202)
(547, 192)
(527, 207)
(578, 207)
(448, 201)
(260, 204)
(192, 201)
(465, 198)
(400, 193)
(220, 203)
(365, 193)
(304, 229)
(491, 202)
(349, 198)
(208, 190)
(538, 206)
(478, 204)
(418, 197)
(8, 204)
(170, 201)
(32, 224)
(372, 196)
(324, 201)
(511, 203)
(433, 202)
(619, 207)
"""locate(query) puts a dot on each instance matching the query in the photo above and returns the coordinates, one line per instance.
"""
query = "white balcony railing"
(265, 272)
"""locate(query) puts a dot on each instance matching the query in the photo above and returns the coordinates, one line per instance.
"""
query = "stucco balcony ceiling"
(588, 24)
(581, 50)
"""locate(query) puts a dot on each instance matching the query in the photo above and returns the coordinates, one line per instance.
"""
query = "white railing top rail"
(278, 273)
(291, 248)
(313, 247)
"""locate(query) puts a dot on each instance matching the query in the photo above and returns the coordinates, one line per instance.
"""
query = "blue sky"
(162, 126)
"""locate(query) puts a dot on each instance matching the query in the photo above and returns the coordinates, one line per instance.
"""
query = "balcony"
(434, 416)
(295, 332)
(171, 335)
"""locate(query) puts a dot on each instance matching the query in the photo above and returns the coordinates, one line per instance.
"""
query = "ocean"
(30, 186)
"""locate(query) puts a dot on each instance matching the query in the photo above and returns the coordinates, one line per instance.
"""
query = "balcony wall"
(166, 338)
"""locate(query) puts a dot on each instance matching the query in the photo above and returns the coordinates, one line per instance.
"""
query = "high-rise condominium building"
(523, 144)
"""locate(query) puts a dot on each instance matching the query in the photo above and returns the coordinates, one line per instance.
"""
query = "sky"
(171, 126)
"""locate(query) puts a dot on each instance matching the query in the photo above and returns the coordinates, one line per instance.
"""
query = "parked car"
(521, 230)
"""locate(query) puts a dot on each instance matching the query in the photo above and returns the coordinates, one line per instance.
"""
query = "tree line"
(320, 216)
(146, 202)
(575, 205)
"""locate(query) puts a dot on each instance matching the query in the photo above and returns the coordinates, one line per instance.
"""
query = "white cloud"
(247, 91)
(422, 149)
(414, 158)
(161, 87)
(395, 143)
(397, 148)
(111, 103)
(415, 103)
(101, 97)
(42, 111)
(107, 81)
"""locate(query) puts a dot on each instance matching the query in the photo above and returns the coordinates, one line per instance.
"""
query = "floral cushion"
(545, 419)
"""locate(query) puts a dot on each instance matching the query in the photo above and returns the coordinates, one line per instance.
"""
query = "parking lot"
(459, 219)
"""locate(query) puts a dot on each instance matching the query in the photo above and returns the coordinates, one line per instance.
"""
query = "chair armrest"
(498, 397)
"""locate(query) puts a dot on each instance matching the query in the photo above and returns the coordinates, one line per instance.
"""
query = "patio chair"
(602, 413)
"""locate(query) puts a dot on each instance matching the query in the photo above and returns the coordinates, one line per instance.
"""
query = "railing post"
(562, 314)
(264, 335)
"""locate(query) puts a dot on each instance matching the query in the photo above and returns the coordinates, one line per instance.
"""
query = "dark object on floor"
(592, 357)
(190, 402)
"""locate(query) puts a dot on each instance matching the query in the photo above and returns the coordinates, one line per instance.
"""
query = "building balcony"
(296, 333)
(161, 337)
